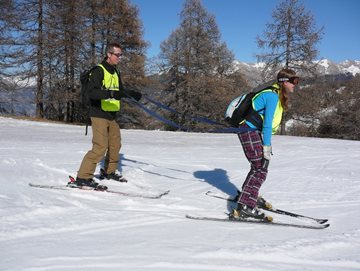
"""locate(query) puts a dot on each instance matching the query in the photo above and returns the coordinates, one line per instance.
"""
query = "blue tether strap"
(198, 119)
(226, 129)
(157, 116)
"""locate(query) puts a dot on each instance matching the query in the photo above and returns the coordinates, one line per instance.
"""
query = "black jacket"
(97, 93)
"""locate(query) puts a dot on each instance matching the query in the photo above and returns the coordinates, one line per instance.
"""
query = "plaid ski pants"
(251, 142)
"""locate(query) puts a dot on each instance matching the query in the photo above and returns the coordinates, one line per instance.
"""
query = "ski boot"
(246, 212)
(86, 184)
(260, 203)
(112, 176)
(263, 204)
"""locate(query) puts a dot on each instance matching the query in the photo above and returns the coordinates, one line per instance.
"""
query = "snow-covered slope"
(57, 230)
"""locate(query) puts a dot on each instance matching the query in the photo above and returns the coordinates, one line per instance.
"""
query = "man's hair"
(110, 47)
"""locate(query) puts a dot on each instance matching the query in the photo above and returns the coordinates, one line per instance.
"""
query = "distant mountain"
(327, 67)
(18, 102)
(252, 71)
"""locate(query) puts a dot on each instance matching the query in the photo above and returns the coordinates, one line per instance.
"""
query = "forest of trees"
(53, 41)
(42, 41)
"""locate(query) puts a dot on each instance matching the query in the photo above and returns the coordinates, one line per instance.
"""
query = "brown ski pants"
(106, 140)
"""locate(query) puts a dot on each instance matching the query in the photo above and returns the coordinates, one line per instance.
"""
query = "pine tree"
(21, 44)
(198, 65)
(290, 38)
(53, 41)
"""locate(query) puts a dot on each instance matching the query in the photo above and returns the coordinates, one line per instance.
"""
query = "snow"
(353, 70)
(42, 229)
(326, 64)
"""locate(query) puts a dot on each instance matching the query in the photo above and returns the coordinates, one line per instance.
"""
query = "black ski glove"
(136, 95)
(117, 95)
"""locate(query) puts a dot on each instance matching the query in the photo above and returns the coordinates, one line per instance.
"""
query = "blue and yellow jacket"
(267, 104)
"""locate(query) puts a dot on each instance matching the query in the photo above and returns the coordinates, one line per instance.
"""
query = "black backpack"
(241, 109)
(84, 81)
(85, 97)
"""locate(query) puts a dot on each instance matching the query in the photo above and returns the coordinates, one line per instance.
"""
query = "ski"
(260, 222)
(127, 194)
(274, 210)
(59, 187)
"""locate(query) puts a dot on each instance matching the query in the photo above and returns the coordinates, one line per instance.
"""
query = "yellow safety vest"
(277, 117)
(110, 82)
(278, 112)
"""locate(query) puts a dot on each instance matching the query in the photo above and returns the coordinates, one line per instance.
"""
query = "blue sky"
(240, 21)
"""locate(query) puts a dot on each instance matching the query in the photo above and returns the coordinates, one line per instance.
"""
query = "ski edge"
(157, 196)
(273, 223)
(274, 210)
(60, 187)
(64, 187)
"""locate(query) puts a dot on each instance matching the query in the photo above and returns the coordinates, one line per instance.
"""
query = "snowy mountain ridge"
(325, 67)
(252, 71)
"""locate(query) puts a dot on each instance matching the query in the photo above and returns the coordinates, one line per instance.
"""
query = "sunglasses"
(293, 80)
(117, 55)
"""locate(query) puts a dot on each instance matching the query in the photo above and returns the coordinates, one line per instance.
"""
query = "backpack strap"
(267, 89)
(253, 115)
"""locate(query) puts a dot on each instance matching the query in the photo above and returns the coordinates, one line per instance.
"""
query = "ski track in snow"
(43, 229)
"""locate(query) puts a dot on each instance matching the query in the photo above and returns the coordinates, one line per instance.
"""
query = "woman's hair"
(281, 78)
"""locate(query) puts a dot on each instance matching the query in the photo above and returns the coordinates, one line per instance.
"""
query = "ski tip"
(162, 194)
(72, 179)
(322, 221)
